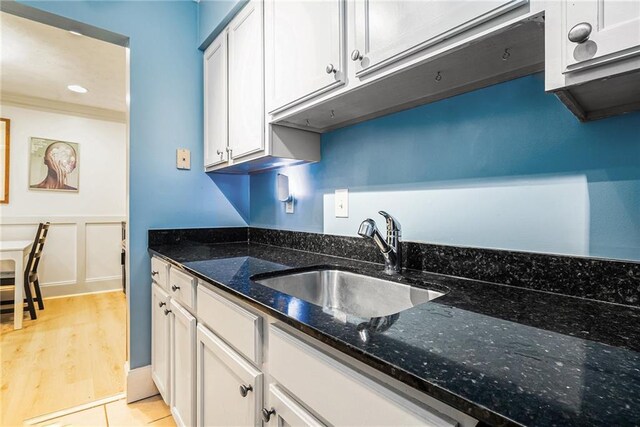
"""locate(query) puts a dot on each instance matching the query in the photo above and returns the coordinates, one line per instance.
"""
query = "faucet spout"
(389, 247)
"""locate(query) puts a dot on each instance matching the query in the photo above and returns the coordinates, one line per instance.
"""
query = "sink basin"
(350, 293)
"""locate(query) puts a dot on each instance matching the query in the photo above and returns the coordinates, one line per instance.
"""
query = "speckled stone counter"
(502, 354)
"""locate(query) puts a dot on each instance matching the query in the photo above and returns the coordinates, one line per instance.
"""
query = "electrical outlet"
(342, 203)
(288, 206)
(183, 158)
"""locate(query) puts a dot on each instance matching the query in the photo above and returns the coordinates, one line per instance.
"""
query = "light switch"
(183, 158)
(342, 203)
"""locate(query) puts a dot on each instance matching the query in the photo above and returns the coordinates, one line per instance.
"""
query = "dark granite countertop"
(503, 355)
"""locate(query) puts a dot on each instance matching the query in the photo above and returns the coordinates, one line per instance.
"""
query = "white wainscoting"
(81, 254)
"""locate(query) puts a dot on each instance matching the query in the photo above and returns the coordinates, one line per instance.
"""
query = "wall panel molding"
(20, 227)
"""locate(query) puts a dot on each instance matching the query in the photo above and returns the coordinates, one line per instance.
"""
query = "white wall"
(82, 253)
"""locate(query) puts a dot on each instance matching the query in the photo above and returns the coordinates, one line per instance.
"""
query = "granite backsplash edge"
(605, 280)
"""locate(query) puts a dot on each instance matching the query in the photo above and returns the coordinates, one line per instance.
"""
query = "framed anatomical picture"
(54, 165)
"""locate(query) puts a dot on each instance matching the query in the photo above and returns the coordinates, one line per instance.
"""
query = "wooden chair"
(30, 274)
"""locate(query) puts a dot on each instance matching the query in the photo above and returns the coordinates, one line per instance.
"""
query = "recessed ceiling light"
(75, 33)
(77, 89)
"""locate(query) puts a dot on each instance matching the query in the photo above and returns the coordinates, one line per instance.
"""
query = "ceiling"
(38, 62)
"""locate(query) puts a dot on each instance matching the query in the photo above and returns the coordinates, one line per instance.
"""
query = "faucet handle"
(393, 226)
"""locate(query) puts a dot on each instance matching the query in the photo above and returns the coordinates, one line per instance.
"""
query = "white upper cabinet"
(385, 31)
(601, 30)
(215, 102)
(236, 136)
(246, 86)
(304, 46)
(592, 56)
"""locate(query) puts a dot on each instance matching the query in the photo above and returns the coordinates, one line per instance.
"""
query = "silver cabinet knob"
(245, 389)
(356, 55)
(220, 152)
(162, 304)
(154, 273)
(174, 288)
(580, 32)
(166, 311)
(331, 69)
(266, 414)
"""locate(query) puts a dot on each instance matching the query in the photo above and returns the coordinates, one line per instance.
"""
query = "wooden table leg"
(18, 306)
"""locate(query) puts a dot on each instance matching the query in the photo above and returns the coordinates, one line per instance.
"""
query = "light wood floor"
(72, 354)
(149, 412)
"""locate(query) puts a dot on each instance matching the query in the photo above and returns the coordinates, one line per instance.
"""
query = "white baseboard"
(73, 288)
(140, 385)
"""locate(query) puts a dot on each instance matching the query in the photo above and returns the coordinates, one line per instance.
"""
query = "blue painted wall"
(501, 133)
(166, 113)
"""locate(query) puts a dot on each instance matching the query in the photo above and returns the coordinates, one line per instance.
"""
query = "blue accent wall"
(166, 113)
(502, 133)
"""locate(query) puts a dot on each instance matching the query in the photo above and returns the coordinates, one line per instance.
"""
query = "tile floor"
(148, 412)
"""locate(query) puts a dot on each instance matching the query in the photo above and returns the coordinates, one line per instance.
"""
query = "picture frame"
(54, 165)
(5, 158)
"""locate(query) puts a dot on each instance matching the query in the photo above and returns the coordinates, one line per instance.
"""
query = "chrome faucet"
(390, 247)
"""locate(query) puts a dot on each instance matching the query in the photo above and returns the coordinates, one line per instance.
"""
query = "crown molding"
(43, 104)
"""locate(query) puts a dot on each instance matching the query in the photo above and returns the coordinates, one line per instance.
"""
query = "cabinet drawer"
(160, 272)
(237, 326)
(333, 390)
(183, 288)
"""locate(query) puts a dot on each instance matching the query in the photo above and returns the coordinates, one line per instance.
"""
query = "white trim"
(87, 219)
(50, 416)
(60, 107)
(140, 385)
(93, 286)
(84, 294)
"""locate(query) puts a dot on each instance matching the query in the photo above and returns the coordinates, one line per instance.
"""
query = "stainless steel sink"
(350, 293)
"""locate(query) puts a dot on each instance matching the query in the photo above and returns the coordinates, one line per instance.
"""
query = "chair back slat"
(36, 249)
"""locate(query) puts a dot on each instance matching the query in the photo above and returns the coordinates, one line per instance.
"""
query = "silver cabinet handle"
(166, 311)
(245, 389)
(580, 32)
(154, 273)
(331, 69)
(266, 414)
(356, 55)
(220, 152)
(174, 288)
(162, 304)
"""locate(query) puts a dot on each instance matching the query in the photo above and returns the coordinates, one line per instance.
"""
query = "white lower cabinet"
(283, 410)
(211, 370)
(341, 395)
(160, 336)
(229, 387)
(183, 365)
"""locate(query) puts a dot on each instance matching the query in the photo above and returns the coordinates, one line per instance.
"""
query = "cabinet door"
(215, 102)
(615, 27)
(160, 354)
(385, 31)
(304, 46)
(183, 365)
(287, 412)
(229, 388)
(246, 81)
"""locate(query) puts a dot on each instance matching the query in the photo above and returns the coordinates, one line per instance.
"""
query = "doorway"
(64, 95)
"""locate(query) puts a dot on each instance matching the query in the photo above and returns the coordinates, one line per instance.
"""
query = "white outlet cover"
(342, 203)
